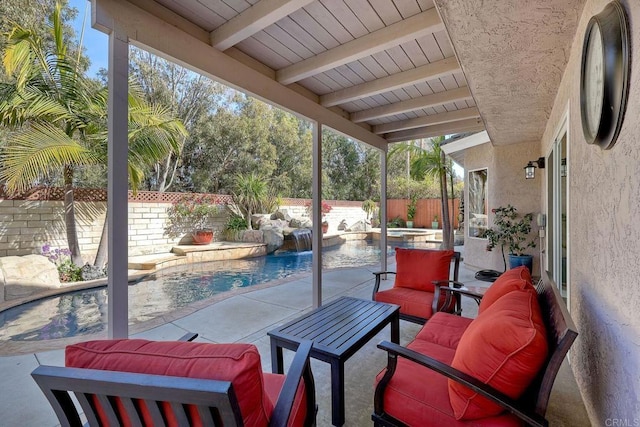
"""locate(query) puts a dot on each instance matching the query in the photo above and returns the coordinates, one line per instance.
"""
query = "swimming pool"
(85, 312)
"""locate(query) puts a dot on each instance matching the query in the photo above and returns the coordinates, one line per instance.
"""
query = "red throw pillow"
(238, 363)
(515, 279)
(418, 268)
(504, 347)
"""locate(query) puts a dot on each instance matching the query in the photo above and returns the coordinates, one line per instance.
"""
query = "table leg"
(395, 328)
(277, 361)
(337, 392)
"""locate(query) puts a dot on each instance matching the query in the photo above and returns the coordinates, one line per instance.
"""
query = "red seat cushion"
(419, 268)
(504, 347)
(413, 302)
(273, 385)
(444, 329)
(418, 396)
(511, 280)
(238, 363)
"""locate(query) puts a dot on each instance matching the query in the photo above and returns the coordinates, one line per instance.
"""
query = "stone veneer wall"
(604, 241)
(26, 225)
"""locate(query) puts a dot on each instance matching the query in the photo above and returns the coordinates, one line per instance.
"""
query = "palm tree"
(432, 162)
(58, 120)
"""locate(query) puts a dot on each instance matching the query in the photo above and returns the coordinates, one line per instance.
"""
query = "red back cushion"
(418, 268)
(504, 347)
(515, 279)
(238, 363)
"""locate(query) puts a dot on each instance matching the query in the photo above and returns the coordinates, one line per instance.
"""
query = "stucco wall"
(604, 243)
(506, 185)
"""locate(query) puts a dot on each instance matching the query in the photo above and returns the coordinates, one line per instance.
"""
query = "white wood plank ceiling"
(387, 65)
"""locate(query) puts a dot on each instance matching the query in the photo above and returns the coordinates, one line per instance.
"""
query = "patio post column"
(316, 215)
(383, 210)
(117, 189)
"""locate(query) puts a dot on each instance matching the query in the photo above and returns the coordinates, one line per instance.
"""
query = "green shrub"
(67, 270)
(235, 223)
(397, 222)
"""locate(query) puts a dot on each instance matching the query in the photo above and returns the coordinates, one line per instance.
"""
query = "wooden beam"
(163, 37)
(395, 81)
(460, 145)
(426, 101)
(435, 119)
(419, 25)
(253, 20)
(468, 125)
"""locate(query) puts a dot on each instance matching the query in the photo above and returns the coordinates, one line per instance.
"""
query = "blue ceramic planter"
(518, 260)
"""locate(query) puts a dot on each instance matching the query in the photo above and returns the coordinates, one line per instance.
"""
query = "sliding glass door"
(557, 220)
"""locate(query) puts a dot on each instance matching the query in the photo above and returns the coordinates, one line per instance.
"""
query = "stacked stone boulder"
(21, 276)
(272, 229)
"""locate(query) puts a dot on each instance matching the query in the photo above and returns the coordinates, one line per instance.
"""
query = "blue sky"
(95, 42)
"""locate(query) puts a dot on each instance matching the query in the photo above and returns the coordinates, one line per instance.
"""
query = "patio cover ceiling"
(379, 71)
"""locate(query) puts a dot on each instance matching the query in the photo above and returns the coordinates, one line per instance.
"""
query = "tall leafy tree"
(234, 140)
(292, 141)
(188, 96)
(58, 119)
(340, 158)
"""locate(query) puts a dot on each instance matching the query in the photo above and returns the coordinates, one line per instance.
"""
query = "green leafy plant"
(397, 222)
(235, 223)
(511, 230)
(67, 270)
(251, 195)
(189, 214)
(411, 208)
(369, 207)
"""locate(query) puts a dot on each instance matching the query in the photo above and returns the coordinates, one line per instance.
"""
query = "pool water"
(85, 312)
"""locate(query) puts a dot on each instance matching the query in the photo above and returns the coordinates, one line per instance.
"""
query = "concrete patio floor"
(246, 318)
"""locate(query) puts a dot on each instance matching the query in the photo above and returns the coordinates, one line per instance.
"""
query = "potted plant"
(326, 208)
(514, 232)
(434, 223)
(192, 215)
(411, 211)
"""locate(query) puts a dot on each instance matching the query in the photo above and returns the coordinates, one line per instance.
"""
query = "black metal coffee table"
(338, 330)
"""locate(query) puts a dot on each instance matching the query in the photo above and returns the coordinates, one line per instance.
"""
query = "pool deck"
(246, 316)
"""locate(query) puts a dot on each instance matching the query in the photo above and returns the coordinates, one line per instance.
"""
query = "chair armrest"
(456, 289)
(445, 284)
(395, 350)
(300, 370)
(376, 286)
(189, 336)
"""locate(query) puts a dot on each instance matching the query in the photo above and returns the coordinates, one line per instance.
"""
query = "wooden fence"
(425, 212)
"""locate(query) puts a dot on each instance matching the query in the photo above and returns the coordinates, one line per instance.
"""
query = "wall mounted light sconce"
(563, 168)
(530, 169)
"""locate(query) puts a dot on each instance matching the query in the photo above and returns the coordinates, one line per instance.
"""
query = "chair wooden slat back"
(561, 333)
(215, 400)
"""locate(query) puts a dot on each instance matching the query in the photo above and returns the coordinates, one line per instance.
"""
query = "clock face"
(604, 78)
(594, 80)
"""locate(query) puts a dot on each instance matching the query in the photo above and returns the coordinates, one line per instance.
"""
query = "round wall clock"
(604, 78)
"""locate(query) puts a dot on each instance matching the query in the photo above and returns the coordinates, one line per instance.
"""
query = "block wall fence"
(26, 224)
